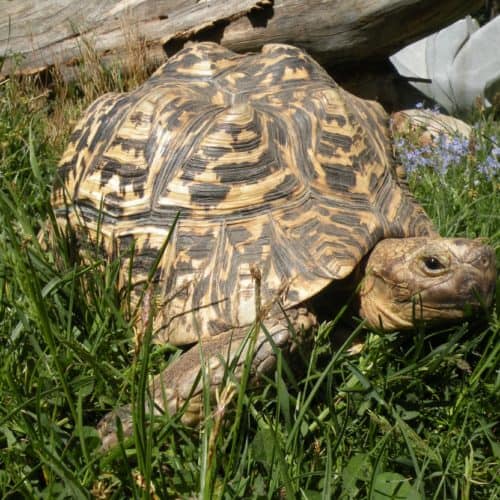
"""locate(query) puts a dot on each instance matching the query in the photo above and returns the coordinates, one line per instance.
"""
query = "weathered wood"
(37, 35)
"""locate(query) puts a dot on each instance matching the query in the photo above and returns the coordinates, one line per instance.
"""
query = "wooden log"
(37, 35)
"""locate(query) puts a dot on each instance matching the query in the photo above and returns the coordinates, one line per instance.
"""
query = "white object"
(462, 61)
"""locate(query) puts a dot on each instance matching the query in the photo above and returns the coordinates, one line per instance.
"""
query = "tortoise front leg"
(181, 384)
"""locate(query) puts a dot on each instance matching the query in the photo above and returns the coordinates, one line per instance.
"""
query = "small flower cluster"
(412, 156)
(441, 154)
(435, 108)
(446, 151)
(490, 166)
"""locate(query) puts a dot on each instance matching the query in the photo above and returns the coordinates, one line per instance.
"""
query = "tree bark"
(35, 36)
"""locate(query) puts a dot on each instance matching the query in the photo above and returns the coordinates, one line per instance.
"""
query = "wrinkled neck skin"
(412, 280)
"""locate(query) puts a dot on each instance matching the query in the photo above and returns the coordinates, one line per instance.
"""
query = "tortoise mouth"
(463, 290)
(451, 310)
(465, 304)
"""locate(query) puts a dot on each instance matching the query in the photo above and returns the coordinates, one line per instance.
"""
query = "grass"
(402, 416)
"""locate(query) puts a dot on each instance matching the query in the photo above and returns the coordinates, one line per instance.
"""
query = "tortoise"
(279, 197)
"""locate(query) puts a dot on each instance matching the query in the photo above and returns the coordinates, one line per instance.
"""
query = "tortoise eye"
(433, 263)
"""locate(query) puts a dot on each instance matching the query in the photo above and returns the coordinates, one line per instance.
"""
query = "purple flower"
(446, 152)
(490, 167)
(441, 154)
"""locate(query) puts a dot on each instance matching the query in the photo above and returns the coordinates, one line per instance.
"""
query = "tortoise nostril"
(483, 258)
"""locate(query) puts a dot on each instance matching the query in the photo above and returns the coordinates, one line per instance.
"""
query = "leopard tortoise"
(278, 187)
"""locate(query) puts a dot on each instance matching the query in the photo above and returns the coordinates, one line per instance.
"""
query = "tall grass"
(394, 416)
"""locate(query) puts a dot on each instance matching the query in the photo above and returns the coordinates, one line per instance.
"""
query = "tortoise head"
(409, 280)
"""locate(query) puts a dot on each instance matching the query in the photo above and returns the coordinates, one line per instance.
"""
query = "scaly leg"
(181, 383)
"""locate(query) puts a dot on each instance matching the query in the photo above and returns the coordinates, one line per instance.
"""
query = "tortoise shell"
(259, 164)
